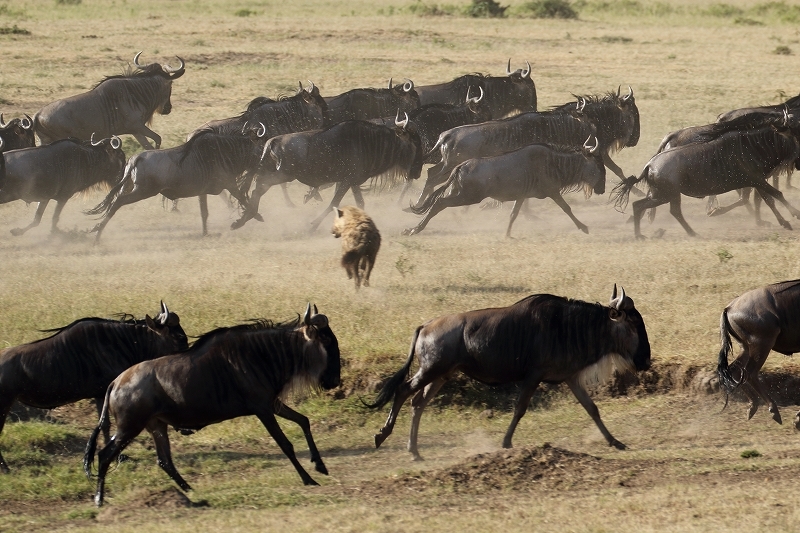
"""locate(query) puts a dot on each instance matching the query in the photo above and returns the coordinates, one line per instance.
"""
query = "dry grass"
(685, 68)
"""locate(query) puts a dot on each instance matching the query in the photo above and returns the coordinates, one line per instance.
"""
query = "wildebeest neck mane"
(254, 325)
(130, 73)
(230, 152)
(750, 121)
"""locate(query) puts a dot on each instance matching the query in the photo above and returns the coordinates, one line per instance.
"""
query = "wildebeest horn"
(526, 73)
(262, 130)
(136, 60)
(312, 86)
(785, 116)
(619, 90)
(164, 313)
(591, 149)
(629, 95)
(3, 124)
(91, 140)
(398, 122)
(307, 315)
(508, 67)
(1, 143)
(408, 85)
(27, 125)
(581, 104)
(176, 72)
(614, 293)
(621, 299)
(115, 142)
(301, 87)
(390, 84)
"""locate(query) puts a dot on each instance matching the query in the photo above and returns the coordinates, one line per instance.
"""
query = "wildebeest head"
(317, 106)
(411, 136)
(478, 105)
(591, 152)
(115, 157)
(403, 95)
(167, 73)
(320, 338)
(17, 133)
(630, 116)
(168, 326)
(629, 329)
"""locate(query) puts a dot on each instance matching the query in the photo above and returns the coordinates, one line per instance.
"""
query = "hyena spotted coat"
(360, 242)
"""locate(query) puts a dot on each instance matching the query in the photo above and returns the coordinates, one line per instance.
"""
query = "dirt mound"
(546, 467)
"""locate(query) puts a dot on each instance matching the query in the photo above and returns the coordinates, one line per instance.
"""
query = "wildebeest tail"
(620, 193)
(723, 370)
(103, 207)
(427, 203)
(91, 446)
(389, 389)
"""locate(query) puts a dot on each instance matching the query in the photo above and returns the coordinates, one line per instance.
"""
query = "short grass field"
(690, 466)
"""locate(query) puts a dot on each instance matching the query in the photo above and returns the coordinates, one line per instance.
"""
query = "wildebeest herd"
(485, 139)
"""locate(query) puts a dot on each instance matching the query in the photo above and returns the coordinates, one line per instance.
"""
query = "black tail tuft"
(388, 390)
(723, 370)
(620, 193)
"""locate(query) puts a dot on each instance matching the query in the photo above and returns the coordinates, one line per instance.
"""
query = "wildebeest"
(724, 162)
(79, 361)
(58, 171)
(360, 242)
(541, 338)
(791, 105)
(613, 119)
(365, 104)
(206, 164)
(505, 95)
(118, 105)
(534, 171)
(348, 154)
(227, 373)
(760, 320)
(17, 133)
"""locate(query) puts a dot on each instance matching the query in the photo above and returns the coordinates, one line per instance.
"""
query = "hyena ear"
(338, 212)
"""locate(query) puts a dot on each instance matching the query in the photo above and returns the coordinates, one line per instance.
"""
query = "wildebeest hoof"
(408, 231)
(641, 238)
(16, 232)
(407, 209)
(320, 467)
(311, 482)
(4, 467)
(379, 438)
(776, 416)
(584, 229)
(258, 217)
(416, 457)
(617, 444)
(786, 225)
(764, 223)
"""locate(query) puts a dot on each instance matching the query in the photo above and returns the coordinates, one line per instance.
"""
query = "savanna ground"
(684, 469)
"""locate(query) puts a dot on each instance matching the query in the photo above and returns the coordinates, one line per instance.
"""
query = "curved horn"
(136, 60)
(401, 124)
(629, 95)
(91, 140)
(527, 72)
(301, 87)
(408, 86)
(307, 315)
(619, 89)
(469, 87)
(481, 96)
(581, 103)
(311, 90)
(3, 124)
(596, 145)
(176, 72)
(115, 142)
(164, 313)
(586, 142)
(508, 67)
(261, 131)
(785, 116)
(390, 84)
(614, 293)
(29, 124)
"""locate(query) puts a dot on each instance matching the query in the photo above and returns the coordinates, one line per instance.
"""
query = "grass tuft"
(782, 50)
(245, 13)
(14, 30)
(485, 9)
(749, 454)
(549, 9)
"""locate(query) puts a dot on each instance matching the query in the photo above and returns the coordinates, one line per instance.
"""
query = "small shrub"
(549, 9)
(244, 13)
(14, 30)
(724, 255)
(782, 51)
(723, 10)
(485, 9)
(749, 454)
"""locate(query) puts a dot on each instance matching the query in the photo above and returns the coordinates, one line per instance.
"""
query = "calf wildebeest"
(118, 105)
(348, 154)
(505, 95)
(535, 171)
(58, 171)
(542, 338)
(227, 373)
(17, 133)
(760, 320)
(80, 360)
(613, 119)
(367, 103)
(360, 242)
(206, 164)
(725, 162)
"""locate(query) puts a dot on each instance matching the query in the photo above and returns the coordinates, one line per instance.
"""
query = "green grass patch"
(723, 10)
(782, 50)
(485, 9)
(548, 9)
(750, 454)
(14, 30)
(245, 13)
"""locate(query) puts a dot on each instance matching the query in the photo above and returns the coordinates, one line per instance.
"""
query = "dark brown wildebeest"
(535, 171)
(16, 134)
(760, 320)
(117, 105)
(542, 338)
(227, 373)
(368, 103)
(79, 360)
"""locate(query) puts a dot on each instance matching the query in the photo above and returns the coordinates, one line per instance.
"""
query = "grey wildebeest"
(348, 154)
(227, 373)
(58, 171)
(613, 119)
(17, 133)
(361, 241)
(542, 338)
(206, 164)
(80, 360)
(760, 320)
(365, 104)
(724, 162)
(118, 105)
(505, 95)
(534, 171)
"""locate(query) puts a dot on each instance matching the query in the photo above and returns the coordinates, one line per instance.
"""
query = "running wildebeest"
(505, 95)
(366, 104)
(725, 162)
(227, 373)
(348, 154)
(206, 164)
(535, 171)
(760, 320)
(542, 338)
(80, 360)
(58, 171)
(17, 133)
(118, 105)
(613, 119)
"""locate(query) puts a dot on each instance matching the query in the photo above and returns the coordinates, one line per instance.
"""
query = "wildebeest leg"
(136, 194)
(5, 408)
(301, 420)
(520, 409)
(587, 403)
(142, 136)
(268, 419)
(251, 209)
(110, 452)
(203, 198)
(158, 430)
(559, 200)
(770, 201)
(341, 189)
(714, 211)
(757, 355)
(767, 190)
(514, 213)
(639, 207)
(435, 177)
(285, 189)
(613, 167)
(406, 188)
(57, 215)
(418, 404)
(359, 198)
(36, 219)
(675, 211)
(404, 390)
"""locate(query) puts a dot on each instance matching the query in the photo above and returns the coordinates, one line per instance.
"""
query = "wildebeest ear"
(615, 315)
(173, 319)
(151, 324)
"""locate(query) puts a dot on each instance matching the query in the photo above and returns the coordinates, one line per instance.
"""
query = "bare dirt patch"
(167, 500)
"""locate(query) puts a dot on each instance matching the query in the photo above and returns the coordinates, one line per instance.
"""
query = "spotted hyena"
(360, 242)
